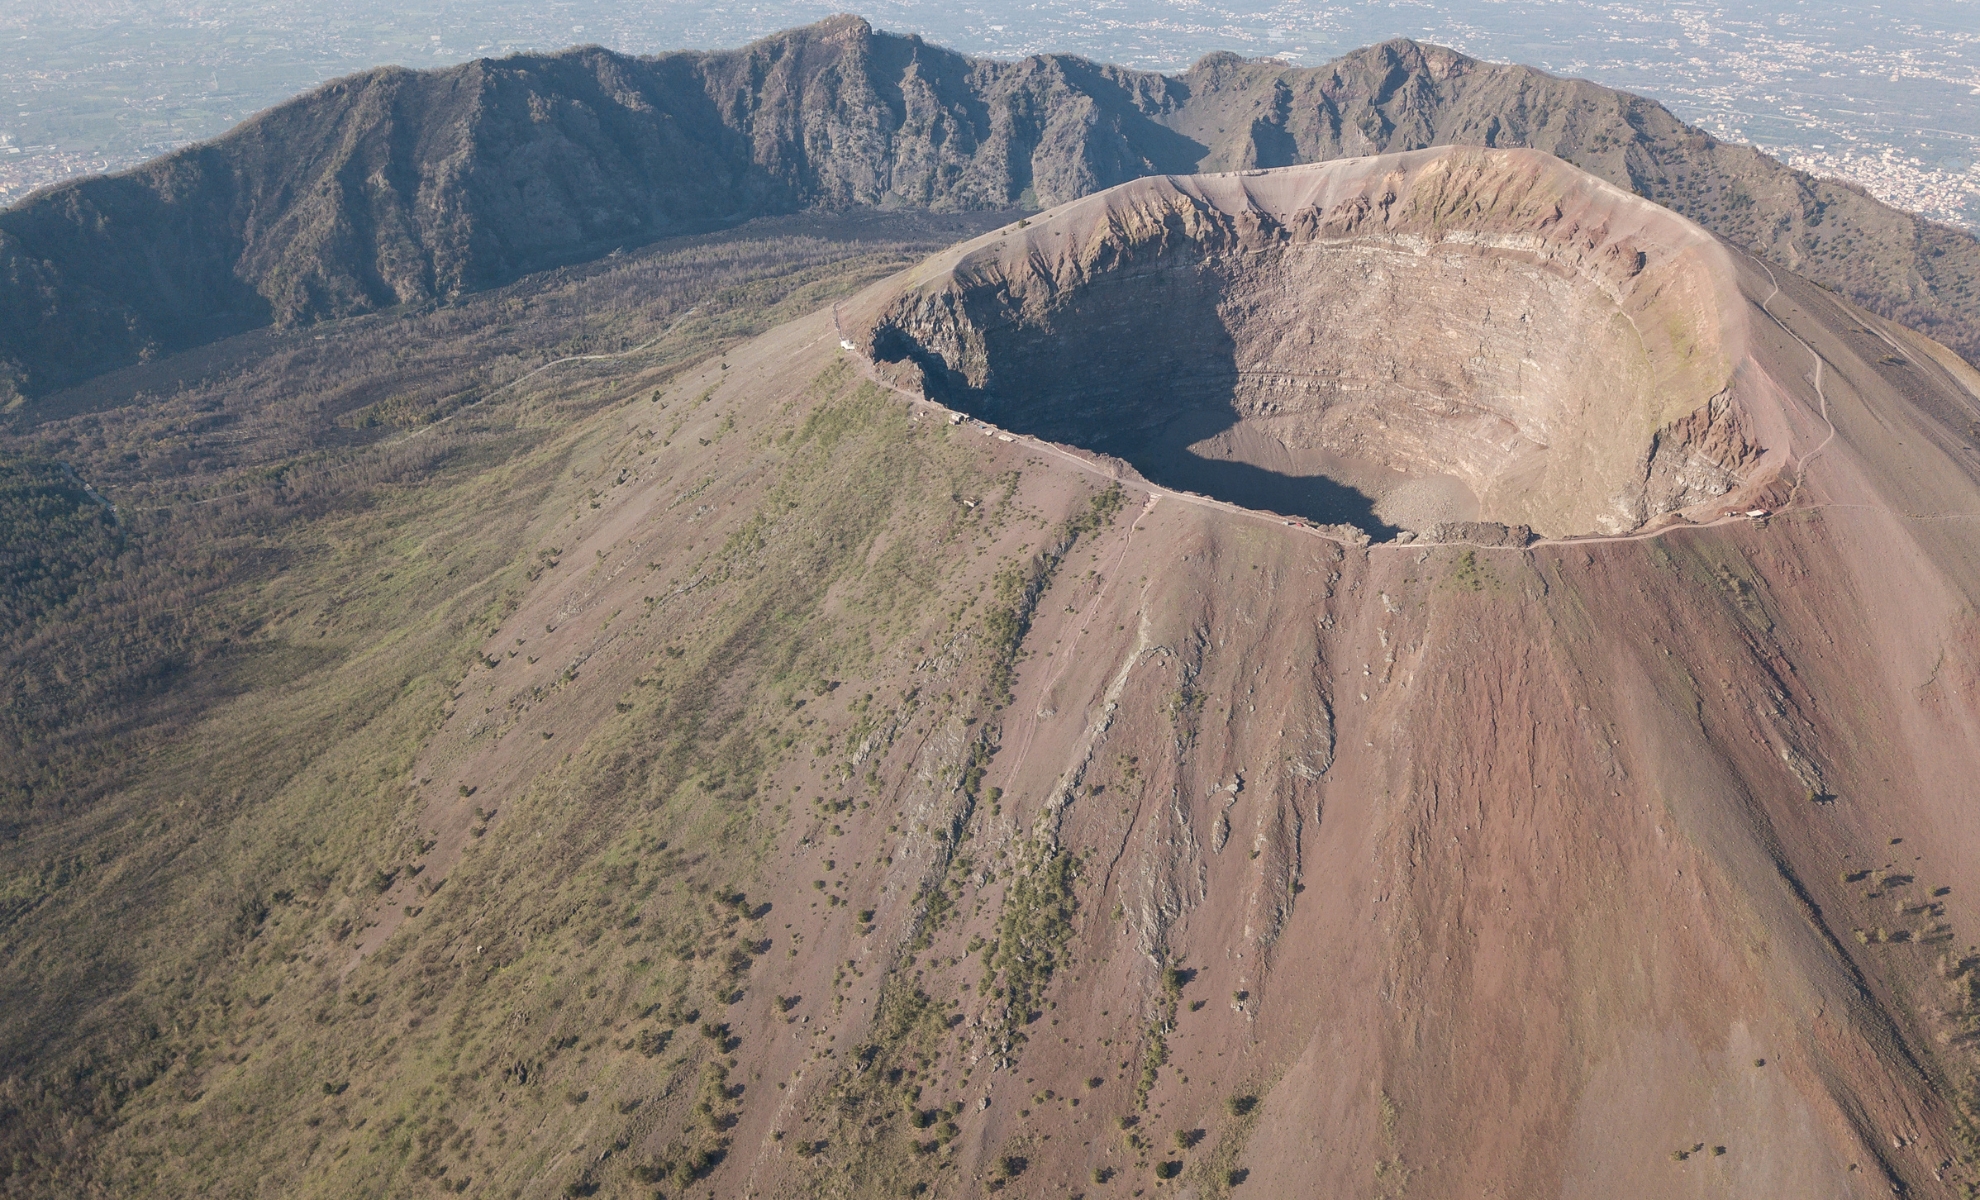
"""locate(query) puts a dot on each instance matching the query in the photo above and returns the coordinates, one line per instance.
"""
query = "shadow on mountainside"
(1145, 385)
(1164, 456)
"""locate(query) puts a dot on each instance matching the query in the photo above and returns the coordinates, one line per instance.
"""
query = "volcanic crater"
(1408, 344)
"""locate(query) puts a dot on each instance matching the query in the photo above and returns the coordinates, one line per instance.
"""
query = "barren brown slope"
(859, 803)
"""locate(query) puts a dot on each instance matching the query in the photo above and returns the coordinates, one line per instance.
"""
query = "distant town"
(1885, 96)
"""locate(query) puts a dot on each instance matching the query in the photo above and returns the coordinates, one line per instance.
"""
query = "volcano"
(1418, 675)
(1473, 690)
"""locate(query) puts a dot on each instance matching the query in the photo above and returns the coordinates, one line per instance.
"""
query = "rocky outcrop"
(1699, 457)
(1478, 533)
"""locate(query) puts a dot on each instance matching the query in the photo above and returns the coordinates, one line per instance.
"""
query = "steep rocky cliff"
(395, 187)
(1443, 335)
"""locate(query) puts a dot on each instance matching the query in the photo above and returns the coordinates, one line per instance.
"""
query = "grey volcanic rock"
(1471, 344)
(1479, 533)
(395, 187)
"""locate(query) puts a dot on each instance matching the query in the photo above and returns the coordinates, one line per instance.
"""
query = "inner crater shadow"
(1146, 399)
(1164, 457)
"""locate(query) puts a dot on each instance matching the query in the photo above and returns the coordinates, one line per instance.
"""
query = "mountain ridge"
(408, 187)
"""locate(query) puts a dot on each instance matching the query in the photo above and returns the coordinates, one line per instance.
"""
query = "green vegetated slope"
(185, 1015)
(394, 186)
(567, 992)
(217, 458)
(212, 706)
(53, 536)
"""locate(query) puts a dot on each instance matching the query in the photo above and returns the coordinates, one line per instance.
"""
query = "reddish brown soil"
(1502, 872)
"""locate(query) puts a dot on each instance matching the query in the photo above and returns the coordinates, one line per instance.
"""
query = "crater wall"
(1395, 342)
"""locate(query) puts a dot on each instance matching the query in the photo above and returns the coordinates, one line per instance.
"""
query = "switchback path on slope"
(1801, 466)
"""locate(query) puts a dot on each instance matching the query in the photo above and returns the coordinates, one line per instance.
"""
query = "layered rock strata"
(1452, 335)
